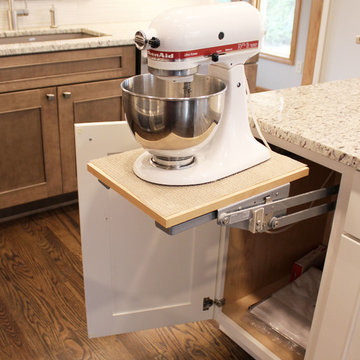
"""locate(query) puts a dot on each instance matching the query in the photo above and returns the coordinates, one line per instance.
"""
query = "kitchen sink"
(54, 36)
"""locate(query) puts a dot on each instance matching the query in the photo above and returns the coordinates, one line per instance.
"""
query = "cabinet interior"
(260, 264)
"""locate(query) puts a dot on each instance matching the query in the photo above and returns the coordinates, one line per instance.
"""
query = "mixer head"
(181, 39)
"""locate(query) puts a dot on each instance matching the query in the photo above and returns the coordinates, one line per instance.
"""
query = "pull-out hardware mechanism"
(230, 215)
(265, 212)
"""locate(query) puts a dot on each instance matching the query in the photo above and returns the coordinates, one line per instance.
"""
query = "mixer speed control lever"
(215, 57)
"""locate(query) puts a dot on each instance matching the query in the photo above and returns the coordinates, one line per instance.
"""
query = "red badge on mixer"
(180, 55)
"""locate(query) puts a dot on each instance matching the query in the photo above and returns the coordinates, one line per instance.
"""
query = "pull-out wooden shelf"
(172, 205)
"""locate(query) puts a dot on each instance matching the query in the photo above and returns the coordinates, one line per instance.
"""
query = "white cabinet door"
(339, 338)
(136, 276)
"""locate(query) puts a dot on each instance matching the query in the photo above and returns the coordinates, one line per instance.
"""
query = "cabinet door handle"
(50, 97)
(66, 94)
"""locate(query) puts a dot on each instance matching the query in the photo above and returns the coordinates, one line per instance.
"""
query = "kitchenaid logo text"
(179, 55)
(161, 54)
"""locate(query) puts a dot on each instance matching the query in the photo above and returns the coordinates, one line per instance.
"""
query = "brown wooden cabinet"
(41, 97)
(29, 147)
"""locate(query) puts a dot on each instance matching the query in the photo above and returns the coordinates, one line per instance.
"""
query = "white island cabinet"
(138, 277)
(340, 326)
(322, 123)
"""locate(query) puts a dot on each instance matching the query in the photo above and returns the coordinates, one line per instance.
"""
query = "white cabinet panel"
(158, 279)
(151, 253)
(92, 141)
(352, 223)
(339, 336)
(353, 345)
(135, 275)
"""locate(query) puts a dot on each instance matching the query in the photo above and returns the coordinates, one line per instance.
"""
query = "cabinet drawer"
(76, 66)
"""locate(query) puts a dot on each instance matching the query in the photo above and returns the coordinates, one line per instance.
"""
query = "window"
(281, 19)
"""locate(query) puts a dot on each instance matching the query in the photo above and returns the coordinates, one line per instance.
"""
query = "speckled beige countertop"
(111, 34)
(323, 118)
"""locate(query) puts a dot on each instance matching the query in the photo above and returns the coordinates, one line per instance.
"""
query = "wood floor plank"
(42, 308)
(13, 344)
(199, 340)
(65, 225)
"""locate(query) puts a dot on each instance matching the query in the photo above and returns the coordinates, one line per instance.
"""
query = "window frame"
(291, 59)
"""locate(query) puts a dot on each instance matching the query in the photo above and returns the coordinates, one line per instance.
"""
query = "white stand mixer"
(223, 36)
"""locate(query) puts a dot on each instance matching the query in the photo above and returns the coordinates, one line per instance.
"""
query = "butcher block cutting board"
(172, 205)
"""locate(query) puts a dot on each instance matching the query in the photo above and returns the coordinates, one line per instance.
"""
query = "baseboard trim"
(38, 206)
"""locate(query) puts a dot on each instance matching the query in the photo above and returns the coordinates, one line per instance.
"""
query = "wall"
(73, 12)
(341, 55)
(275, 75)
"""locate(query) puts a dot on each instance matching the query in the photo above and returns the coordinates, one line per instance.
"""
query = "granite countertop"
(111, 34)
(323, 118)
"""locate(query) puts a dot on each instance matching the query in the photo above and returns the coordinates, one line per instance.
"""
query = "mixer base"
(204, 169)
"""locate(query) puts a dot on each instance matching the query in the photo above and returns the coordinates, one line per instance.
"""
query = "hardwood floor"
(42, 311)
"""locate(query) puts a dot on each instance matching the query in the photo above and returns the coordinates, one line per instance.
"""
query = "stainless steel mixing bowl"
(169, 117)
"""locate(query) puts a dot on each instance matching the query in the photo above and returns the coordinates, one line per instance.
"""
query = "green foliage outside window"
(279, 21)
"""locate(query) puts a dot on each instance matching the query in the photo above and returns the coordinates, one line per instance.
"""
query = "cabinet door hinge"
(208, 303)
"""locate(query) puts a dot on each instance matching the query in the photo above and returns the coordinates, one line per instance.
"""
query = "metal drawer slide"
(263, 212)
(271, 214)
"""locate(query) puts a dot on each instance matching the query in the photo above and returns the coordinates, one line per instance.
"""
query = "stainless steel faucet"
(14, 13)
(53, 17)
